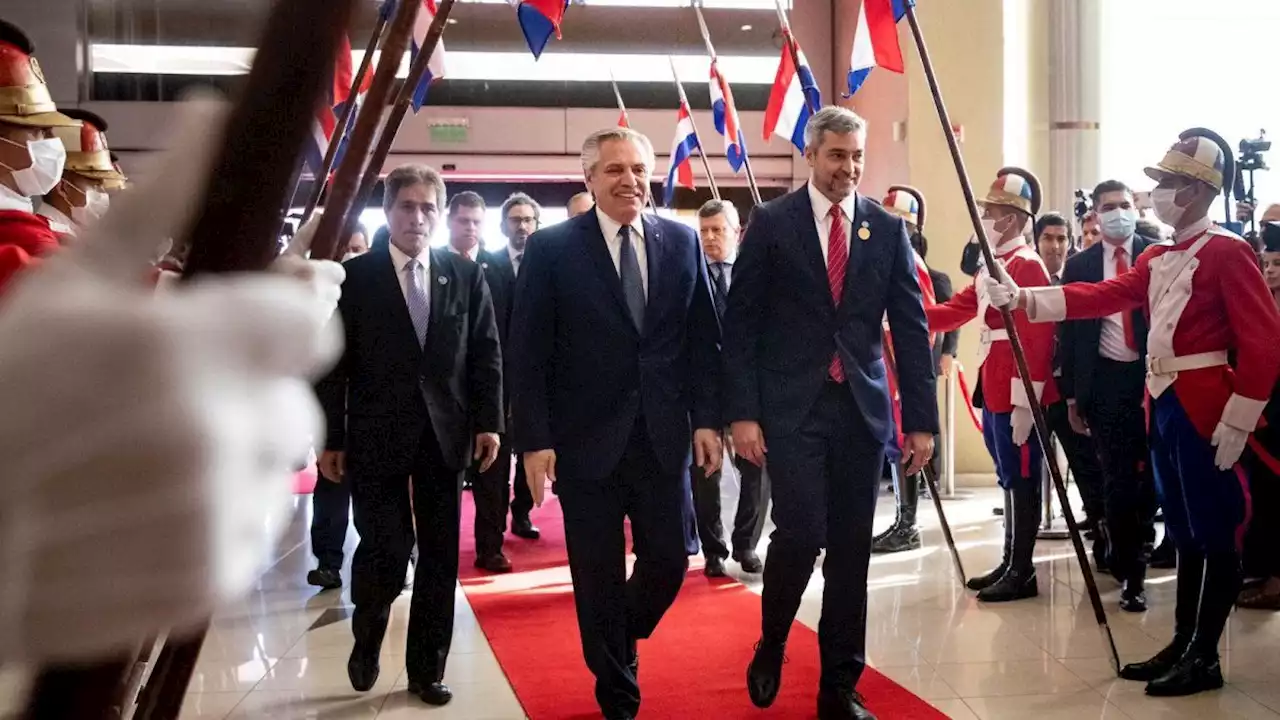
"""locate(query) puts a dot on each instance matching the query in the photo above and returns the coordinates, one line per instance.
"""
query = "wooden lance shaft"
(1019, 356)
(387, 136)
(348, 108)
(346, 181)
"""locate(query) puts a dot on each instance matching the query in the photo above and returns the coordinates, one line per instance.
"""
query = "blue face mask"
(1118, 224)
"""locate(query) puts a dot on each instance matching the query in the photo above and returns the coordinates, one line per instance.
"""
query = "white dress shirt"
(1112, 345)
(399, 259)
(821, 207)
(11, 200)
(610, 228)
(516, 258)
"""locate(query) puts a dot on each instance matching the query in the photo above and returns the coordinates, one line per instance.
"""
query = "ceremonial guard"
(1007, 425)
(1212, 361)
(80, 197)
(31, 158)
(908, 204)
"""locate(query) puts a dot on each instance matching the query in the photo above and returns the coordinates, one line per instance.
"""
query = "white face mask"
(48, 157)
(1167, 211)
(1118, 224)
(95, 206)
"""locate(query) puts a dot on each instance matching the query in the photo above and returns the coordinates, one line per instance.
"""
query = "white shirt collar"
(11, 200)
(58, 221)
(471, 254)
(1109, 249)
(1193, 230)
(610, 227)
(399, 258)
(1011, 246)
(822, 206)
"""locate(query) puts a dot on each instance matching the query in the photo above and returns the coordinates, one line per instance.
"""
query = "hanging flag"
(435, 66)
(680, 170)
(346, 133)
(794, 92)
(539, 20)
(875, 40)
(623, 120)
(726, 119)
(318, 142)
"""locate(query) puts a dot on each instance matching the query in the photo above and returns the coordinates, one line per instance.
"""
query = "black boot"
(1190, 579)
(983, 582)
(1019, 581)
(1165, 556)
(1198, 670)
(904, 535)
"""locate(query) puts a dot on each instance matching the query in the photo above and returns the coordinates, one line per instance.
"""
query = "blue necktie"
(721, 280)
(417, 300)
(632, 285)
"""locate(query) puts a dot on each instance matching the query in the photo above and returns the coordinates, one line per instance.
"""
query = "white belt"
(989, 335)
(1174, 365)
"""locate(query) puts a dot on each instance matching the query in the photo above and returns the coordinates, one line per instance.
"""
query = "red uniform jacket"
(1216, 301)
(1001, 383)
(24, 239)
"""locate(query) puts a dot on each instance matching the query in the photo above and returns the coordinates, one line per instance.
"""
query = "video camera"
(1250, 161)
(1083, 205)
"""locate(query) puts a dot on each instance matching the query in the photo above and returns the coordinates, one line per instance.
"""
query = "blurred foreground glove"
(147, 442)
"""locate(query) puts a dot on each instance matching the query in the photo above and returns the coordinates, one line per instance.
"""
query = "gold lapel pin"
(864, 232)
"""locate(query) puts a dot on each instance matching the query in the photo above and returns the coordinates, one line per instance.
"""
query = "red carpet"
(694, 666)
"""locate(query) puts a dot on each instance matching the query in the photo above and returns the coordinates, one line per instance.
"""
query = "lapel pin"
(443, 280)
(864, 232)
(484, 266)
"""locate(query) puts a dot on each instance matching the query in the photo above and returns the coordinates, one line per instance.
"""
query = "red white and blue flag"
(726, 119)
(326, 119)
(794, 92)
(680, 171)
(875, 40)
(539, 21)
(435, 66)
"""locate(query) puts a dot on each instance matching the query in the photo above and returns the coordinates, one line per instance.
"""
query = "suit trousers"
(522, 496)
(330, 516)
(614, 610)
(1118, 422)
(385, 520)
(749, 520)
(491, 491)
(826, 478)
(1082, 459)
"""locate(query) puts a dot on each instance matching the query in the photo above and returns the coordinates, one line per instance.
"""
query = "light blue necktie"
(417, 300)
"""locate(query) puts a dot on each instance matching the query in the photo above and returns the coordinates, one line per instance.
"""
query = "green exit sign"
(451, 134)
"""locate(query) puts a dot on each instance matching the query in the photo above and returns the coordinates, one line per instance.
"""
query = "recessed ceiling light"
(452, 21)
(746, 28)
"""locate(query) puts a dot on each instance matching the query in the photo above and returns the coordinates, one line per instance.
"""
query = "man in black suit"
(1104, 381)
(489, 485)
(521, 217)
(818, 271)
(718, 226)
(617, 350)
(418, 388)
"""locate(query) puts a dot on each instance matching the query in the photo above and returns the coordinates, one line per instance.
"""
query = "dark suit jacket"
(584, 374)
(1079, 340)
(782, 326)
(501, 278)
(385, 389)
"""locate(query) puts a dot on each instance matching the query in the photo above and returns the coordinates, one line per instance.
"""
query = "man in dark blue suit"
(818, 271)
(618, 346)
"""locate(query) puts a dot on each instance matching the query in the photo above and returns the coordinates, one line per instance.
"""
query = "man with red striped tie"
(806, 388)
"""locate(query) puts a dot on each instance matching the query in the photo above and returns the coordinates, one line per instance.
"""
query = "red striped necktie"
(837, 265)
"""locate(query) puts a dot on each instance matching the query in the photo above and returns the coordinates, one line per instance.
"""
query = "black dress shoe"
(362, 671)
(749, 560)
(764, 674)
(715, 567)
(324, 579)
(436, 693)
(524, 528)
(1158, 665)
(1196, 672)
(1133, 599)
(842, 705)
(494, 563)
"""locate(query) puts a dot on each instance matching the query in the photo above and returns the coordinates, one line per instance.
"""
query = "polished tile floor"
(281, 653)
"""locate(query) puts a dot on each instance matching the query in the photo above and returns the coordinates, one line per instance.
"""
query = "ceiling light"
(746, 28)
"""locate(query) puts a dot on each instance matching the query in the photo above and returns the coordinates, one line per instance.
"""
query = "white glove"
(1023, 422)
(148, 440)
(1003, 291)
(1230, 443)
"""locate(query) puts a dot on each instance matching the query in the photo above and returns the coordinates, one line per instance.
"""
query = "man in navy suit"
(617, 343)
(805, 384)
